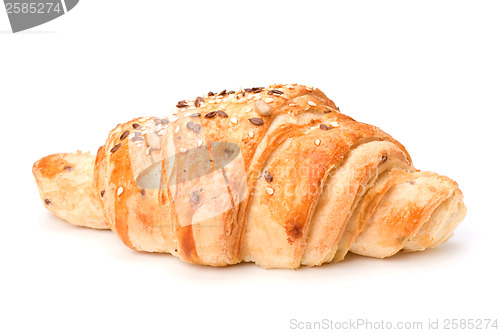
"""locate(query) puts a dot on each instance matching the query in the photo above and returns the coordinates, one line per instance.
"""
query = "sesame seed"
(119, 191)
(177, 129)
(311, 103)
(269, 191)
(257, 97)
(194, 115)
(234, 120)
(251, 134)
(200, 142)
(292, 104)
(317, 142)
(248, 109)
(183, 150)
(148, 150)
(334, 124)
(172, 118)
(269, 100)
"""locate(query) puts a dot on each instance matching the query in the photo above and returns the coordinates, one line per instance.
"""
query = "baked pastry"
(275, 175)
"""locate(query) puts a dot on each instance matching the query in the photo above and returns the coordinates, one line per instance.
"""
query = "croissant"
(276, 176)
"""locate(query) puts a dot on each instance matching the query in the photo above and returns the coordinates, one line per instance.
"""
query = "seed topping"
(198, 101)
(153, 141)
(256, 121)
(211, 114)
(115, 148)
(124, 135)
(195, 197)
(262, 108)
(268, 176)
(222, 113)
(193, 127)
(275, 91)
(137, 137)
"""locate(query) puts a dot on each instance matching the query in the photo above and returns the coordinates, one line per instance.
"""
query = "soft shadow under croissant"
(275, 175)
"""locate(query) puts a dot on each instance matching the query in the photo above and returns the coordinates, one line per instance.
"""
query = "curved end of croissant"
(65, 183)
(416, 215)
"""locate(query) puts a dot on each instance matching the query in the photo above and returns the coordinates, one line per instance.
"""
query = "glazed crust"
(275, 175)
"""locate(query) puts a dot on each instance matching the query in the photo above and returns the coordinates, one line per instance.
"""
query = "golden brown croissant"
(273, 175)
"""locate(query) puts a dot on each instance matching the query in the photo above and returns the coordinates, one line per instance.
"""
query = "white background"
(426, 72)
